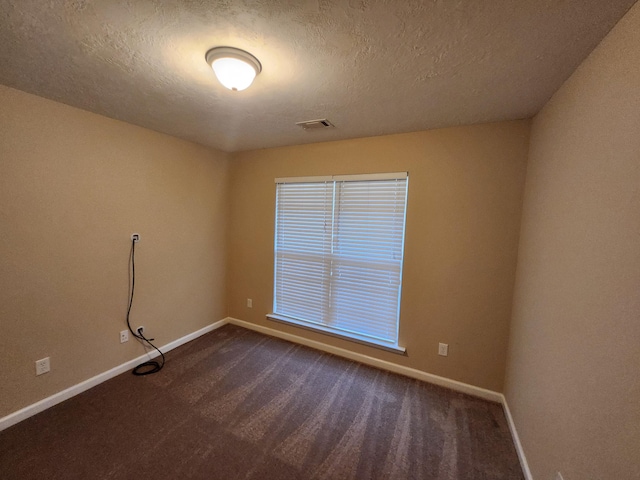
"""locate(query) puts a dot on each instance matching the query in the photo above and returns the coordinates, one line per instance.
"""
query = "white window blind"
(339, 252)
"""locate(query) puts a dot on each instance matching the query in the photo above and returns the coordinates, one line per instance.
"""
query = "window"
(338, 254)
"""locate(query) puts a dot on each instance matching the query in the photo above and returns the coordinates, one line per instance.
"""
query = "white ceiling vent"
(315, 124)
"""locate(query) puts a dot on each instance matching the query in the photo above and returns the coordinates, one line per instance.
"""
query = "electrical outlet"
(443, 349)
(140, 330)
(42, 366)
(249, 303)
(135, 237)
(124, 336)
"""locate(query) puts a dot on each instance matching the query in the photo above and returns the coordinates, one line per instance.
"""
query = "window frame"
(324, 326)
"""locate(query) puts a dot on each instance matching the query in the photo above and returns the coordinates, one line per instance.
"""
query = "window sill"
(319, 329)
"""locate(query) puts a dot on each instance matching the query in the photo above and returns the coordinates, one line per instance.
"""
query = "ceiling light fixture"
(234, 68)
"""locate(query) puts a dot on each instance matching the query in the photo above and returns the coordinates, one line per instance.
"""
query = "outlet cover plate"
(43, 366)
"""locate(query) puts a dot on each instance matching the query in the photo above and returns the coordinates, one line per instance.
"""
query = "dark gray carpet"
(235, 404)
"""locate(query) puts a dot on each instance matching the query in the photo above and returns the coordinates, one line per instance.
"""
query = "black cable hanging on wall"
(151, 366)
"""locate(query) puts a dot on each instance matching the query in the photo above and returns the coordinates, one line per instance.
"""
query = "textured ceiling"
(371, 67)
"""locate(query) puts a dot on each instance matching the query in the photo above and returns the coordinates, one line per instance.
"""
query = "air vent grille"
(315, 124)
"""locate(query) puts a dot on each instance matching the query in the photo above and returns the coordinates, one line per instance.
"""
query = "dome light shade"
(234, 68)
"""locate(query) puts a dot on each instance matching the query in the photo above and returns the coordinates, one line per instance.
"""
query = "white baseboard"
(516, 440)
(29, 411)
(375, 362)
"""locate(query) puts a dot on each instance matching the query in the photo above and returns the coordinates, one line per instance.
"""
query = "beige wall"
(463, 220)
(73, 187)
(573, 380)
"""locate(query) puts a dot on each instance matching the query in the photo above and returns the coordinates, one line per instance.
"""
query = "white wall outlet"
(135, 237)
(42, 366)
(249, 303)
(140, 330)
(443, 349)
(124, 336)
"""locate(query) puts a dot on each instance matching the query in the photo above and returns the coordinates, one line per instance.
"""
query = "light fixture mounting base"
(220, 52)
